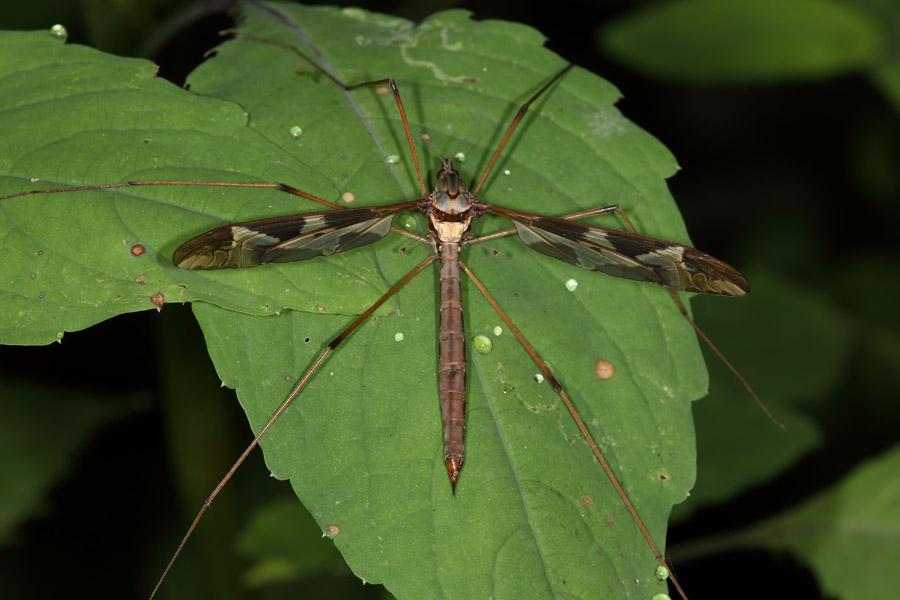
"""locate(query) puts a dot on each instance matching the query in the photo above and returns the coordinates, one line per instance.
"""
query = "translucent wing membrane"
(626, 255)
(287, 239)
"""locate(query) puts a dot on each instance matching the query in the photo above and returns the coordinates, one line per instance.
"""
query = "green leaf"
(847, 534)
(73, 116)
(710, 42)
(534, 515)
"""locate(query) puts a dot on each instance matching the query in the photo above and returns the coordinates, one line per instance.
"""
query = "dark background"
(800, 177)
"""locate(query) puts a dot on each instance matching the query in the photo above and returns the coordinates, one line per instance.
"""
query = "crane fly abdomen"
(452, 362)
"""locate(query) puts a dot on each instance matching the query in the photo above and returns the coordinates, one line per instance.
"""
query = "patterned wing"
(287, 239)
(626, 255)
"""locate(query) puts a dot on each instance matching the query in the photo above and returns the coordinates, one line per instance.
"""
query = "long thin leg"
(578, 421)
(290, 398)
(396, 93)
(389, 81)
(685, 314)
(515, 123)
(681, 308)
(281, 187)
(574, 216)
(726, 362)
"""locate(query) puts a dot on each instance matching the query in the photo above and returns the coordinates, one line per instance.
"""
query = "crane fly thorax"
(451, 209)
(451, 194)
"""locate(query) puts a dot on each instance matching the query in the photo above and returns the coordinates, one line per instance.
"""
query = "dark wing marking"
(287, 239)
(626, 255)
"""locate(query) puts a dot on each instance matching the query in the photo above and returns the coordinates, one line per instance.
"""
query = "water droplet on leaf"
(406, 221)
(483, 344)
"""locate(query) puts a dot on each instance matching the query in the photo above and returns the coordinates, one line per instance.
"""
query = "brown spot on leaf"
(158, 300)
(137, 250)
(605, 369)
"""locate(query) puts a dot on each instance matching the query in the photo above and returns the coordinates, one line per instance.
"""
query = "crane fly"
(450, 209)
